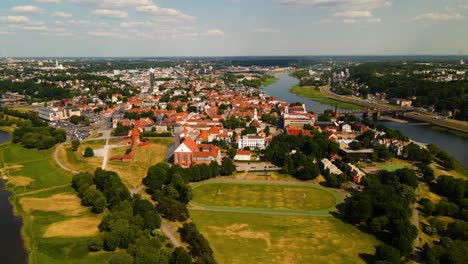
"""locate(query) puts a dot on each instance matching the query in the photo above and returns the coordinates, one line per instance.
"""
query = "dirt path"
(167, 229)
(59, 162)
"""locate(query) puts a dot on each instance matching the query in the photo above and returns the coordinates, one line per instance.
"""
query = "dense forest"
(443, 96)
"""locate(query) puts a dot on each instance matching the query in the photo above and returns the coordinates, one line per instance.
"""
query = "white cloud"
(62, 14)
(27, 9)
(135, 24)
(35, 28)
(214, 32)
(108, 13)
(14, 19)
(173, 14)
(439, 17)
(113, 3)
(339, 4)
(48, 1)
(353, 13)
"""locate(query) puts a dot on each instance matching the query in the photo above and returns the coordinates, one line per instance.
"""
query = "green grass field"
(48, 180)
(315, 95)
(303, 197)
(264, 238)
(267, 223)
(390, 167)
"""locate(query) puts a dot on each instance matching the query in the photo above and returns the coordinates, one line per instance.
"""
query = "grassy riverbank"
(269, 81)
(56, 228)
(314, 94)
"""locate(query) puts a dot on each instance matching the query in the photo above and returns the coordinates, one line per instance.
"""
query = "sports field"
(267, 238)
(276, 222)
(292, 197)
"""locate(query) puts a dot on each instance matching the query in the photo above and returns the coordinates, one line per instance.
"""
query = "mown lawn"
(264, 238)
(315, 94)
(264, 196)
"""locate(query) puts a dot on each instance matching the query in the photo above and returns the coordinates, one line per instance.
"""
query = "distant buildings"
(56, 114)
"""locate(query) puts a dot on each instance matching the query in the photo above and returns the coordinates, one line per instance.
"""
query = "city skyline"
(75, 28)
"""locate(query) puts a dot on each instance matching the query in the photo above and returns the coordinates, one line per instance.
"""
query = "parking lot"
(256, 166)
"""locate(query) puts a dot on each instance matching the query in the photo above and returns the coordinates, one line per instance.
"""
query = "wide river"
(455, 145)
(11, 245)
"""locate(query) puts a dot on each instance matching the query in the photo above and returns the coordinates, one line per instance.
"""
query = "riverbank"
(269, 81)
(314, 94)
(43, 198)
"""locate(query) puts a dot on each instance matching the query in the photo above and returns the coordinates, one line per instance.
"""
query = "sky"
(122, 28)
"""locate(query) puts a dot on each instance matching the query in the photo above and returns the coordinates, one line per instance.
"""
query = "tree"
(172, 209)
(267, 131)
(75, 145)
(180, 256)
(387, 253)
(227, 167)
(74, 119)
(88, 152)
(121, 258)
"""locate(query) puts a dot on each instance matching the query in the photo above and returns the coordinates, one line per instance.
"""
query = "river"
(455, 145)
(11, 244)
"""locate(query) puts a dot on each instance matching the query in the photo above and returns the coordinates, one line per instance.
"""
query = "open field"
(76, 227)
(67, 204)
(45, 205)
(284, 197)
(260, 175)
(393, 167)
(316, 95)
(132, 172)
(262, 238)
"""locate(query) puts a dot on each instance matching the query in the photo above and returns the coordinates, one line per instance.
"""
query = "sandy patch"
(9, 168)
(77, 227)
(20, 181)
(67, 204)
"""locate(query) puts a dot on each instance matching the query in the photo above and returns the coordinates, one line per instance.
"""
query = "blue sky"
(232, 27)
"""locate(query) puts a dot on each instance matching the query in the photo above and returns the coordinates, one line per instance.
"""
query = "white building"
(251, 141)
(242, 155)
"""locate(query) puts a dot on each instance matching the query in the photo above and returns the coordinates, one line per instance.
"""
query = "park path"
(56, 151)
(167, 229)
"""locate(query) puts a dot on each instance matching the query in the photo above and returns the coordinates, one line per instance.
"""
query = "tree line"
(384, 208)
(452, 247)
(297, 154)
(32, 132)
(129, 223)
